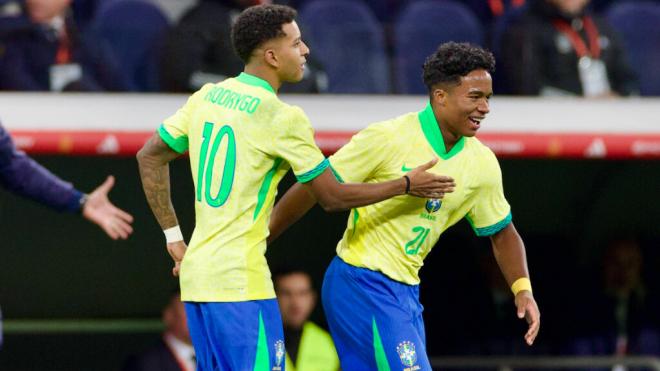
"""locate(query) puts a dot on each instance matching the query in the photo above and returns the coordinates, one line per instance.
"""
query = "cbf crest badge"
(407, 354)
(433, 205)
(279, 355)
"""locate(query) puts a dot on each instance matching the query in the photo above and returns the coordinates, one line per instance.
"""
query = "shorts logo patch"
(433, 205)
(279, 354)
(407, 354)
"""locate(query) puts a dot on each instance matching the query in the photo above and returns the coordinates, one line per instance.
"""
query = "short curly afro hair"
(452, 61)
(258, 24)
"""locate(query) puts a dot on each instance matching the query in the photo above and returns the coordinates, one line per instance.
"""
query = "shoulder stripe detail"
(265, 187)
(356, 218)
(310, 175)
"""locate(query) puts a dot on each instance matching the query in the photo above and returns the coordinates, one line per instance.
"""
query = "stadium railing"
(118, 124)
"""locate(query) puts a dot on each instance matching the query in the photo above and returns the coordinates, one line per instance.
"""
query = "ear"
(271, 58)
(439, 96)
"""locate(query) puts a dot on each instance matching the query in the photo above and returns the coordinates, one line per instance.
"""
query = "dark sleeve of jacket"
(623, 79)
(16, 67)
(23, 176)
(521, 63)
(101, 70)
(100, 66)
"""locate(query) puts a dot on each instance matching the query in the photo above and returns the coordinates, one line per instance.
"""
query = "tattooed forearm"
(153, 161)
(156, 185)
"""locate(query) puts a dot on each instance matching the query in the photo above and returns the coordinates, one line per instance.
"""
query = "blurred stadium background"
(581, 175)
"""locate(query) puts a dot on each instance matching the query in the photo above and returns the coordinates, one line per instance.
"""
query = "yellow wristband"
(521, 284)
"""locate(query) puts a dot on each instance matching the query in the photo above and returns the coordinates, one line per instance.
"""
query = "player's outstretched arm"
(295, 203)
(22, 175)
(98, 209)
(509, 252)
(153, 161)
(335, 196)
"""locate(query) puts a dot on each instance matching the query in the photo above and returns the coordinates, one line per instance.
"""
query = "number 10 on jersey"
(207, 160)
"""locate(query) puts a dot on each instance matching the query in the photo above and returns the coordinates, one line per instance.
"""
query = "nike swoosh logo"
(405, 169)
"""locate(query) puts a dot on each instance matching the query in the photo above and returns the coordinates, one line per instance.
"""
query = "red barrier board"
(509, 145)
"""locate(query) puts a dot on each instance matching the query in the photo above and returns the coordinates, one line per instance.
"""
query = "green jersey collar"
(434, 136)
(246, 78)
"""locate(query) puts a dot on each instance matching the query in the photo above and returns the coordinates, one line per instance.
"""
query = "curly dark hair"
(257, 25)
(453, 60)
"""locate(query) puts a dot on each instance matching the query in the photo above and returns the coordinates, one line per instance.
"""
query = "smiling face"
(288, 54)
(462, 107)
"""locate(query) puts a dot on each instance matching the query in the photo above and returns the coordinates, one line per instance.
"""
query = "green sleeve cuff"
(492, 229)
(180, 144)
(306, 177)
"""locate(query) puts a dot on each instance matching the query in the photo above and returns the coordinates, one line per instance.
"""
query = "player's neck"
(449, 139)
(264, 73)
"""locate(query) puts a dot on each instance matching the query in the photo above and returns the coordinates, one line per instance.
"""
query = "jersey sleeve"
(293, 141)
(174, 129)
(22, 175)
(491, 212)
(361, 156)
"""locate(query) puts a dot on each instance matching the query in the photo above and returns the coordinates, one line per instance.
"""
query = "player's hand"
(427, 185)
(99, 210)
(177, 250)
(527, 309)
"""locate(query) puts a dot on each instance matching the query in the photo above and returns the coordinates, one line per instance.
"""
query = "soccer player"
(242, 140)
(370, 291)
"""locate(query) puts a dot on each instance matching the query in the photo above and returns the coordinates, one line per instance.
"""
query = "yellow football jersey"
(242, 140)
(394, 236)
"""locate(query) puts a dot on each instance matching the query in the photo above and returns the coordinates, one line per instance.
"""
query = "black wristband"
(407, 183)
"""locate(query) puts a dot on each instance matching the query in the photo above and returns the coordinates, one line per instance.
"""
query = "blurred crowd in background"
(543, 47)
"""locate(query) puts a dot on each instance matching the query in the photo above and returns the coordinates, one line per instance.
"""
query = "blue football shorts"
(375, 322)
(237, 336)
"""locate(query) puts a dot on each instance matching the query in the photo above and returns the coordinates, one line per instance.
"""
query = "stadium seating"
(347, 39)
(488, 11)
(385, 10)
(420, 29)
(638, 24)
(135, 30)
